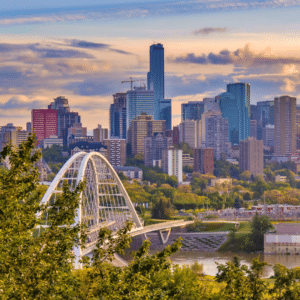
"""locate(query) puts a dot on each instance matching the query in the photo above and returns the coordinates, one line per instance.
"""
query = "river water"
(209, 259)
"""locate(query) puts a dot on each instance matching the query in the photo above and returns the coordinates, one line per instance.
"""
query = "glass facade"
(166, 112)
(139, 100)
(155, 78)
(192, 110)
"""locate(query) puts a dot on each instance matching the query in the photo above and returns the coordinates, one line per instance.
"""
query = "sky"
(84, 51)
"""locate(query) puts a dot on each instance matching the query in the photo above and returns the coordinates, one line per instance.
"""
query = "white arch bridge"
(104, 200)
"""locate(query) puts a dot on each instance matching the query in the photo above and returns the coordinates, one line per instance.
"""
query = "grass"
(237, 245)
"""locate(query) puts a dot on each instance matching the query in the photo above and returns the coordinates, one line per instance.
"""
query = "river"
(209, 259)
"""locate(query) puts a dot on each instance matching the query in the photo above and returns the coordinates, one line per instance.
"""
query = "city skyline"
(83, 52)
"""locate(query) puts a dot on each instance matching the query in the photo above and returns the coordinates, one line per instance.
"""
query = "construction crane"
(131, 81)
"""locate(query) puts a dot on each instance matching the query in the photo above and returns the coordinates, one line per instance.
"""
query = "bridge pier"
(163, 239)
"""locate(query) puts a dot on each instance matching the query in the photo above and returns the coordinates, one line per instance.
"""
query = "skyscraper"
(285, 125)
(166, 112)
(65, 118)
(204, 160)
(141, 127)
(251, 156)
(235, 106)
(192, 110)
(172, 162)
(156, 77)
(139, 100)
(242, 93)
(117, 116)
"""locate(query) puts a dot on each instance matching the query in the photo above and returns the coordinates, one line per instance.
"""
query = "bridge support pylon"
(163, 239)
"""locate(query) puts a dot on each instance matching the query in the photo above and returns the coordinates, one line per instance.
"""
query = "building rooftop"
(291, 228)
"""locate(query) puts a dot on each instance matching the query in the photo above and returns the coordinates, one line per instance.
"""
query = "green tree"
(286, 286)
(162, 209)
(259, 226)
(35, 264)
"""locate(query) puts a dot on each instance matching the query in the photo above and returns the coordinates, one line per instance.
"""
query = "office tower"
(116, 151)
(192, 110)
(166, 112)
(156, 81)
(208, 103)
(253, 128)
(29, 127)
(12, 133)
(141, 127)
(229, 109)
(263, 113)
(285, 125)
(204, 160)
(213, 110)
(172, 162)
(216, 134)
(153, 147)
(298, 128)
(117, 116)
(268, 135)
(139, 100)
(44, 123)
(176, 135)
(235, 106)
(100, 134)
(190, 133)
(251, 156)
(65, 118)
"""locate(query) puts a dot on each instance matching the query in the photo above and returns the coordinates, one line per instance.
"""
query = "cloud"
(210, 30)
(97, 46)
(21, 102)
(241, 57)
(136, 10)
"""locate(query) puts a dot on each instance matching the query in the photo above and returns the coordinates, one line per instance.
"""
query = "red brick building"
(44, 123)
(204, 160)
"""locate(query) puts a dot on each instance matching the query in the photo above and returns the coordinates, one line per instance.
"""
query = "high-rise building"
(204, 160)
(141, 127)
(216, 134)
(65, 118)
(285, 126)
(116, 151)
(29, 127)
(176, 135)
(235, 106)
(153, 147)
(263, 113)
(156, 77)
(166, 112)
(172, 162)
(117, 116)
(268, 135)
(253, 128)
(190, 133)
(100, 134)
(44, 123)
(192, 110)
(251, 156)
(139, 101)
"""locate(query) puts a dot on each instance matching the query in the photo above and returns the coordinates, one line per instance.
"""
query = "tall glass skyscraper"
(117, 116)
(138, 101)
(235, 106)
(156, 77)
(192, 110)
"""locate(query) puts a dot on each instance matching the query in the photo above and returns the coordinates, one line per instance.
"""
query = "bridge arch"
(104, 200)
